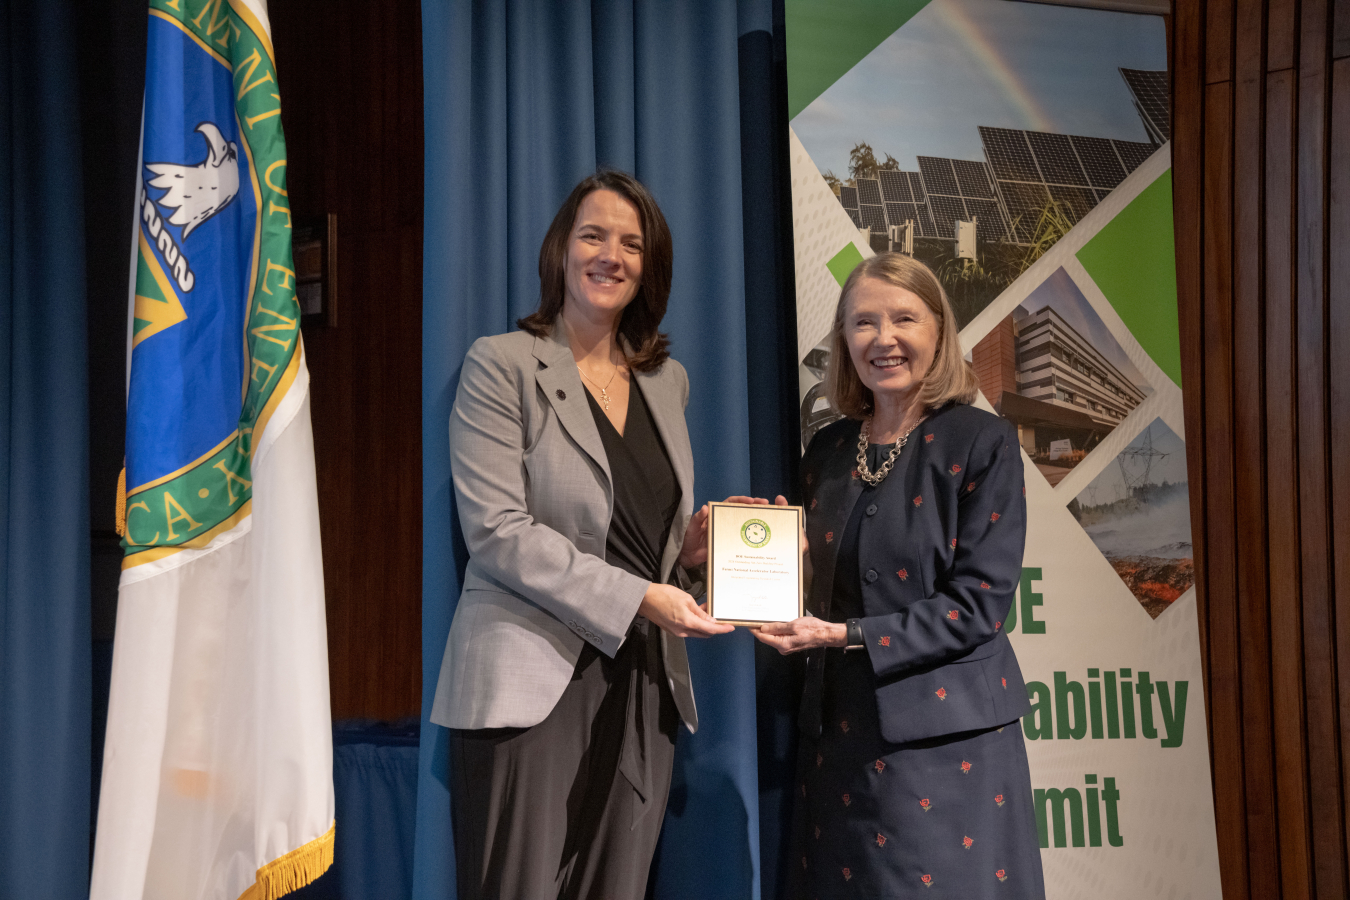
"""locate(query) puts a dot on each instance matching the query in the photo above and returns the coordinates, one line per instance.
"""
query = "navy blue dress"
(913, 777)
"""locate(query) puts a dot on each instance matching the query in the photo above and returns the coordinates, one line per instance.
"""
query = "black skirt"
(950, 816)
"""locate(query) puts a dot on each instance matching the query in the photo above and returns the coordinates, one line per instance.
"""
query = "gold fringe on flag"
(121, 514)
(294, 870)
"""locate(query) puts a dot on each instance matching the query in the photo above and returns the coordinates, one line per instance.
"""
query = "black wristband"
(854, 631)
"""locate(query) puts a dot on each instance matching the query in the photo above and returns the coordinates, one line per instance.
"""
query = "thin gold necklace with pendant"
(603, 388)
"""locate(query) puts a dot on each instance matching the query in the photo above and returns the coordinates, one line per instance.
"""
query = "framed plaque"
(754, 563)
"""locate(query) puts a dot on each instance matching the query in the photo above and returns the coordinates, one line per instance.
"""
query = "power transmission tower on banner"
(1136, 466)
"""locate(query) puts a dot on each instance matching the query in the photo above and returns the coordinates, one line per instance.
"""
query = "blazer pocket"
(945, 699)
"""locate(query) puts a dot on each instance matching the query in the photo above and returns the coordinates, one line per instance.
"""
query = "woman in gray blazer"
(565, 673)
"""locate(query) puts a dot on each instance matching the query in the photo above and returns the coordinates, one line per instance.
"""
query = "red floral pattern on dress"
(881, 839)
(953, 543)
(847, 800)
(941, 693)
(843, 726)
(814, 501)
(1005, 683)
(884, 640)
(998, 625)
(998, 798)
(1001, 875)
(829, 537)
(965, 767)
(985, 585)
(971, 486)
(994, 517)
(854, 473)
(967, 841)
(953, 615)
(847, 873)
(928, 438)
(926, 804)
(903, 573)
(955, 469)
(879, 765)
(927, 880)
(918, 501)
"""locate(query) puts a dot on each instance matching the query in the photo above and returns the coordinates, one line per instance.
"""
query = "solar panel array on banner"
(1033, 167)
(873, 216)
(869, 191)
(961, 190)
(1150, 91)
(895, 187)
(893, 198)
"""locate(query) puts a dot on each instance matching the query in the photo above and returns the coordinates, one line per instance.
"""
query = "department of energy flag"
(217, 772)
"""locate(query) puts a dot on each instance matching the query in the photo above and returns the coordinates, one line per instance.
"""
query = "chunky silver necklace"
(884, 469)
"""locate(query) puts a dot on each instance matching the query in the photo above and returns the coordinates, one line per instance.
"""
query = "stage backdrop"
(522, 100)
(1040, 133)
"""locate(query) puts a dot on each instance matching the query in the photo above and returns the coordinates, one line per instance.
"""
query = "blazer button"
(871, 575)
(562, 395)
(872, 510)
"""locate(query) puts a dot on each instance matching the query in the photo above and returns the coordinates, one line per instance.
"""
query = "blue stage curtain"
(522, 100)
(44, 495)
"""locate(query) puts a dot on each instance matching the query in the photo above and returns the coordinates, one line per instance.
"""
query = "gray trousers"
(570, 808)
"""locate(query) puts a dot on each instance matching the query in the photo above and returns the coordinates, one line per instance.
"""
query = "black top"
(847, 599)
(646, 493)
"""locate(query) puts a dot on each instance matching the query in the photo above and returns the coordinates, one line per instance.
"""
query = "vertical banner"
(1021, 151)
(217, 769)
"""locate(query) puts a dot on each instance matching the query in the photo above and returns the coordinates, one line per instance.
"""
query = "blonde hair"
(950, 377)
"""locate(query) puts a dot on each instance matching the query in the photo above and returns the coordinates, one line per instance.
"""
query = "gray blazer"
(535, 503)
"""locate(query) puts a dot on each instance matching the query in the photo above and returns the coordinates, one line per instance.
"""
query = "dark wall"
(351, 86)
(1262, 176)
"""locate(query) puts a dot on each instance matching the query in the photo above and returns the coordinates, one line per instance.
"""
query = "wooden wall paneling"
(1281, 35)
(1187, 198)
(1338, 278)
(1328, 818)
(1261, 152)
(352, 83)
(1286, 619)
(1262, 832)
(1218, 41)
(1225, 698)
(1340, 35)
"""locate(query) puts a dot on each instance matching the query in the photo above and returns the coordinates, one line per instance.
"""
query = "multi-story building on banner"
(1056, 364)
(1046, 378)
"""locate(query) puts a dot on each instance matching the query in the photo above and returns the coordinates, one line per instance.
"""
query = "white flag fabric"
(217, 770)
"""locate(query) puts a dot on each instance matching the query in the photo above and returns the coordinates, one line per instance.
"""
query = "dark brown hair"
(950, 377)
(647, 347)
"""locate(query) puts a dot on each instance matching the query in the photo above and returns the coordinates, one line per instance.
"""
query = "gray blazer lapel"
(663, 398)
(567, 395)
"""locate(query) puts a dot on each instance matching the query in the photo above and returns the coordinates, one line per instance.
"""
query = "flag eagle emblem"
(195, 193)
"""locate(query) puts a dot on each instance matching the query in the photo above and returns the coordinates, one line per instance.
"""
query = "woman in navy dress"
(913, 778)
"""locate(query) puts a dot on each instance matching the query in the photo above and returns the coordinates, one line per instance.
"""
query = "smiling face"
(603, 268)
(892, 337)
